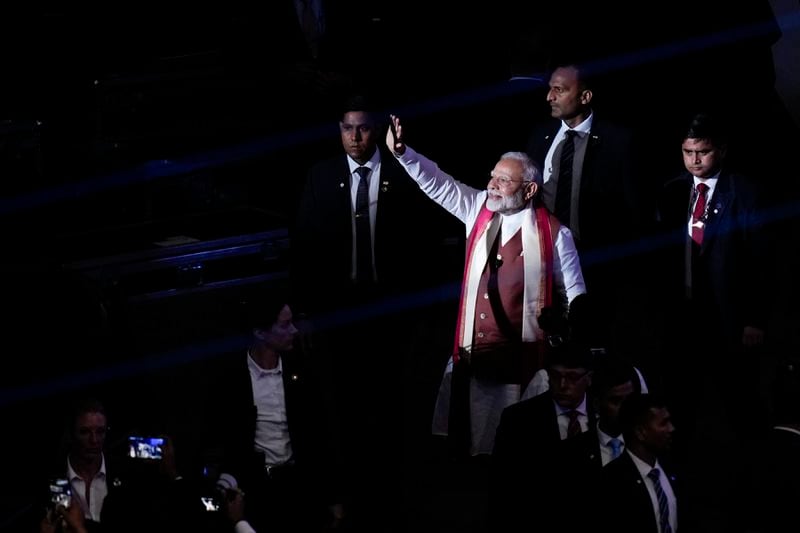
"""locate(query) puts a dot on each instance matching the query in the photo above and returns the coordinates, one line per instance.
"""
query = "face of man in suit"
(280, 335)
(607, 407)
(89, 436)
(655, 433)
(508, 193)
(569, 99)
(701, 157)
(359, 134)
(568, 385)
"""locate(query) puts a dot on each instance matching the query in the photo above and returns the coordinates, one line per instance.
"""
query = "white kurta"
(488, 399)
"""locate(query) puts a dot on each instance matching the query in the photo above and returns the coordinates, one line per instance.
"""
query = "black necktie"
(564, 186)
(363, 235)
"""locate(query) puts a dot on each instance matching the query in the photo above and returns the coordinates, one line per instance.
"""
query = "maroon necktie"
(698, 216)
(574, 426)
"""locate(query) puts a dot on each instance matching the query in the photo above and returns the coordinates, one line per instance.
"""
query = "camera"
(60, 492)
(149, 448)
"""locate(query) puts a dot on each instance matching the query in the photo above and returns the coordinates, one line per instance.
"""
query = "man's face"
(568, 385)
(609, 403)
(359, 135)
(89, 434)
(566, 98)
(280, 336)
(507, 191)
(656, 433)
(701, 158)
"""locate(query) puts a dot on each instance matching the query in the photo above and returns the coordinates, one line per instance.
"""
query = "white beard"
(507, 205)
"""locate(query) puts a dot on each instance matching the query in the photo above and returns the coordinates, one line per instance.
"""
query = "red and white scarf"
(537, 248)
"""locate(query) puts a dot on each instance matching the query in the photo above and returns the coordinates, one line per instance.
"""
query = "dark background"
(123, 126)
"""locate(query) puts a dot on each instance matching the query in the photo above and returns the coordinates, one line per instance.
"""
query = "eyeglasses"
(569, 377)
(504, 180)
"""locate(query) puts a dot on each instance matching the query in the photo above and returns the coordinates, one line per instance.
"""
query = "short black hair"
(709, 127)
(635, 411)
(571, 354)
(362, 102)
(611, 370)
(260, 307)
(587, 78)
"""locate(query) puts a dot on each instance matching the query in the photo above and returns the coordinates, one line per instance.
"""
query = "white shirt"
(645, 469)
(562, 416)
(374, 164)
(272, 427)
(98, 490)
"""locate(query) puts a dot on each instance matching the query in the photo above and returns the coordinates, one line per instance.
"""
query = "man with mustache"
(519, 259)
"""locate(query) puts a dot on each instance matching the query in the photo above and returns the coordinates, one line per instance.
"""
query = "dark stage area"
(153, 159)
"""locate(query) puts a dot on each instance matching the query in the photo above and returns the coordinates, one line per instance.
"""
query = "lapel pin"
(295, 377)
(341, 185)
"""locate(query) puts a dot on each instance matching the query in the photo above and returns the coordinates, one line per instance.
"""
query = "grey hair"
(530, 172)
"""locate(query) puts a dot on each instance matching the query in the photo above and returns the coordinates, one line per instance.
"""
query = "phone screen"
(150, 448)
(209, 503)
(60, 492)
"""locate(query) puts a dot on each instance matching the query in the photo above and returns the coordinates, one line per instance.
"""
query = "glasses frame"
(503, 180)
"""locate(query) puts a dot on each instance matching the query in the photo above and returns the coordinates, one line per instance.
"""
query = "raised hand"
(394, 136)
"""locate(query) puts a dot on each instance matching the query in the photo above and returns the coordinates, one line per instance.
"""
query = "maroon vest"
(508, 291)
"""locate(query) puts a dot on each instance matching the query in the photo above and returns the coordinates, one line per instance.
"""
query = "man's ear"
(530, 190)
(586, 96)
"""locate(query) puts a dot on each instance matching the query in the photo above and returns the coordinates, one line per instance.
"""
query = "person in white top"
(519, 260)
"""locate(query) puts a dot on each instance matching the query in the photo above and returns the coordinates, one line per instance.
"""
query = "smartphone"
(60, 492)
(149, 448)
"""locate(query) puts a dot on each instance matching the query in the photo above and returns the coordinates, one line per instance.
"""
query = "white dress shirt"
(644, 469)
(272, 426)
(98, 490)
(562, 416)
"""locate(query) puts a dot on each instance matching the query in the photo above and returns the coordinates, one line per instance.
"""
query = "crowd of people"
(597, 344)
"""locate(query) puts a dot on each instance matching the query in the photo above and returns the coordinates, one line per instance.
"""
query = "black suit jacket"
(528, 467)
(778, 481)
(729, 272)
(408, 236)
(232, 423)
(611, 209)
(625, 504)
